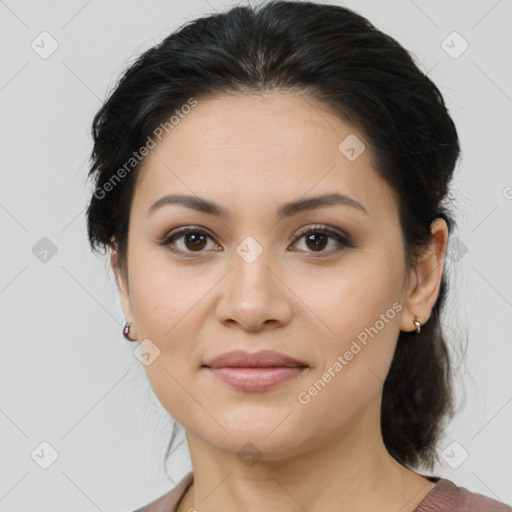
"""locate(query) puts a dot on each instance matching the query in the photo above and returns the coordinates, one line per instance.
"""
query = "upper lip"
(264, 358)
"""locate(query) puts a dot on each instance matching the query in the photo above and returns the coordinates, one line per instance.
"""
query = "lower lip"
(256, 379)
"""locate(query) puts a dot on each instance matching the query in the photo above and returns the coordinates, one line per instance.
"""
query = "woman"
(270, 183)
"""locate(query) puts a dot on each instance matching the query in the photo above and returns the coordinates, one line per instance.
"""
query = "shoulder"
(446, 496)
(168, 501)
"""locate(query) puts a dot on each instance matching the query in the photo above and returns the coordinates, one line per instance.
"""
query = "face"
(325, 285)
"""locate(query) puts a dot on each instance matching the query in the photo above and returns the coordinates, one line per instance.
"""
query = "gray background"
(68, 376)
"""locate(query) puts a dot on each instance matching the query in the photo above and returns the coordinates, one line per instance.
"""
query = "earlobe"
(428, 275)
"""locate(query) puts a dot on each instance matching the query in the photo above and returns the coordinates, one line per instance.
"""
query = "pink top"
(445, 496)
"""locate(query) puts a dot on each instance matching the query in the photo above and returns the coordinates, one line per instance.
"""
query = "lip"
(263, 358)
(257, 371)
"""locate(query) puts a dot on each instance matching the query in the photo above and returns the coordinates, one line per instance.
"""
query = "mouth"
(258, 371)
(256, 378)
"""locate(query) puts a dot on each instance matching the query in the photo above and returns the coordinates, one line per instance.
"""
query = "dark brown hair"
(338, 57)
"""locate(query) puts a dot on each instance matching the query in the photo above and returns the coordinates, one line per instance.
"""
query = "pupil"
(196, 237)
(317, 244)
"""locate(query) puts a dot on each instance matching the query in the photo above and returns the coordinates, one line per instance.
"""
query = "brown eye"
(194, 241)
(187, 241)
(317, 238)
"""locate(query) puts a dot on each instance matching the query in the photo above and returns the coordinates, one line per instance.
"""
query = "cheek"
(165, 306)
(359, 315)
(161, 296)
(351, 380)
(353, 299)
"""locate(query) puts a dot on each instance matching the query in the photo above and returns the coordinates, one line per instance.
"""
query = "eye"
(318, 237)
(194, 241)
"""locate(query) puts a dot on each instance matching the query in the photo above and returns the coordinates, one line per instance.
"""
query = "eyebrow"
(285, 210)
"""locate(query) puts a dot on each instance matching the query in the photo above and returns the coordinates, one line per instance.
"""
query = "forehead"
(262, 146)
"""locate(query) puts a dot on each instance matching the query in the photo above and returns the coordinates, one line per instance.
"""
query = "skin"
(250, 154)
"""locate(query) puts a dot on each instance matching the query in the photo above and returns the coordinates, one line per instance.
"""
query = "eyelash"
(343, 240)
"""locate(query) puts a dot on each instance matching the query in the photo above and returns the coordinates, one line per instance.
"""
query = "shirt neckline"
(439, 482)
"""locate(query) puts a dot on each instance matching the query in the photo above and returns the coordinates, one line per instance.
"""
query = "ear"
(426, 278)
(121, 276)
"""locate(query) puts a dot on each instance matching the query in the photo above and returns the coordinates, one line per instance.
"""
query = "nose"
(253, 295)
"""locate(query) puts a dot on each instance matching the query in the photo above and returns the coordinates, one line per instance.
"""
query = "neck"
(347, 472)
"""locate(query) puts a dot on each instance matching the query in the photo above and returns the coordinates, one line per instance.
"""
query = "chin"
(268, 437)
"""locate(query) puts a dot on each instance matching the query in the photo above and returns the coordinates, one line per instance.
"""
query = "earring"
(418, 325)
(126, 331)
